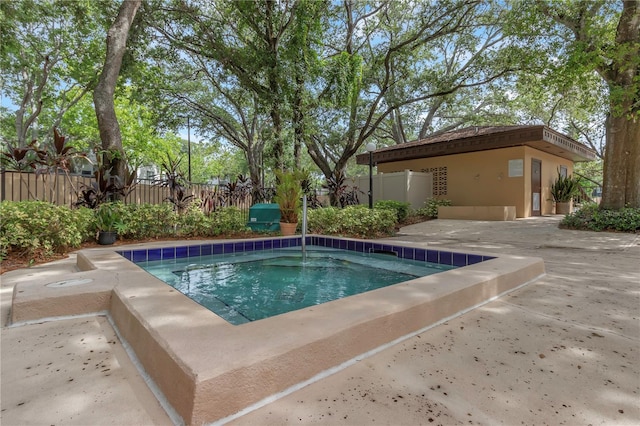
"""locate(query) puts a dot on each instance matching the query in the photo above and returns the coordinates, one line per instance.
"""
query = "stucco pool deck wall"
(208, 369)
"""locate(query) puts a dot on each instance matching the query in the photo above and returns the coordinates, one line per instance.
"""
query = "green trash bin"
(264, 217)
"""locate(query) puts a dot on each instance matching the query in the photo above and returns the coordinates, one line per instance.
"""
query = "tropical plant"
(106, 187)
(340, 193)
(176, 182)
(288, 195)
(564, 188)
(108, 218)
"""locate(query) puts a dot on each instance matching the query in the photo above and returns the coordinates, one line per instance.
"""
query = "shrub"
(591, 217)
(148, 221)
(352, 221)
(41, 228)
(192, 222)
(430, 208)
(228, 220)
(401, 209)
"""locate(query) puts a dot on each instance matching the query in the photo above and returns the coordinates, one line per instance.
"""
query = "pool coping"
(208, 369)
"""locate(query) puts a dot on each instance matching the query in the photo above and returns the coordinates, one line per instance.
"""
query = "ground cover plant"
(592, 218)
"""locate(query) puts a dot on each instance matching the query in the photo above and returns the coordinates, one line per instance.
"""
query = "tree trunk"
(621, 174)
(104, 92)
(621, 185)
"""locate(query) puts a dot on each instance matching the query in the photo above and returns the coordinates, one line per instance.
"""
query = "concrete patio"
(564, 349)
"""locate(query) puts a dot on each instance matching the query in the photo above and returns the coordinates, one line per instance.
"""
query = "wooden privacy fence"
(63, 190)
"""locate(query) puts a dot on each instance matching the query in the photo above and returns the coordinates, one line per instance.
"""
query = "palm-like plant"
(288, 195)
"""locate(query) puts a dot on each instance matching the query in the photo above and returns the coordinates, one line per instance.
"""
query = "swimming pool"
(206, 369)
(249, 286)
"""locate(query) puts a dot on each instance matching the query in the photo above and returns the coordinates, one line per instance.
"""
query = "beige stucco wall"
(482, 178)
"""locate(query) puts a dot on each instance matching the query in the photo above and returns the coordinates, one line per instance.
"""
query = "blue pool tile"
(206, 249)
(485, 258)
(126, 254)
(139, 255)
(259, 245)
(420, 254)
(169, 253)
(268, 244)
(227, 248)
(343, 245)
(409, 253)
(360, 247)
(249, 245)
(446, 258)
(194, 251)
(368, 247)
(432, 256)
(459, 259)
(351, 245)
(276, 244)
(237, 247)
(473, 259)
(182, 252)
(218, 248)
(154, 254)
(335, 243)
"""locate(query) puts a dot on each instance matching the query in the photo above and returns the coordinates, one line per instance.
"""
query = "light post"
(189, 146)
(370, 148)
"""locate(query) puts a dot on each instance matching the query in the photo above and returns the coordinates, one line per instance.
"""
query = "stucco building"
(487, 166)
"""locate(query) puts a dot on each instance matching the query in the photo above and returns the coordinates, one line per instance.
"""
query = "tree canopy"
(288, 82)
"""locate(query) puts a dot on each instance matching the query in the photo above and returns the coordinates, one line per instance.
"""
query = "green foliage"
(289, 194)
(108, 217)
(352, 221)
(228, 221)
(592, 218)
(565, 188)
(149, 220)
(430, 208)
(400, 208)
(37, 227)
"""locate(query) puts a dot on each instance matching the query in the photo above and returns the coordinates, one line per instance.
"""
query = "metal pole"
(370, 179)
(304, 224)
(189, 146)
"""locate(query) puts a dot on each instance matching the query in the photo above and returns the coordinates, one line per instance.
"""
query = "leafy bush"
(228, 220)
(591, 217)
(401, 208)
(430, 208)
(352, 221)
(194, 223)
(41, 228)
(148, 221)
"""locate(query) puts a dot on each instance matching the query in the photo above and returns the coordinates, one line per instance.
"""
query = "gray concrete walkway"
(562, 350)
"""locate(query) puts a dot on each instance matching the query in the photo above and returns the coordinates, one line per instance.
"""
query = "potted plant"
(563, 190)
(288, 196)
(107, 222)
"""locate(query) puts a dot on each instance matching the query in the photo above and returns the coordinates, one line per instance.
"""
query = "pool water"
(251, 286)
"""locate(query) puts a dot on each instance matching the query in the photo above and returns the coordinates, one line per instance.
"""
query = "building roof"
(482, 138)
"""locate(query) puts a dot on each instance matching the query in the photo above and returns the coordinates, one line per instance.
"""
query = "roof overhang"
(482, 139)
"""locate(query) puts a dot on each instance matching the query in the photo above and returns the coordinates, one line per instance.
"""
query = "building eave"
(538, 137)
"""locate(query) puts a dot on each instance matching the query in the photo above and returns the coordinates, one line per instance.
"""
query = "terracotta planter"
(288, 228)
(564, 208)
(107, 238)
